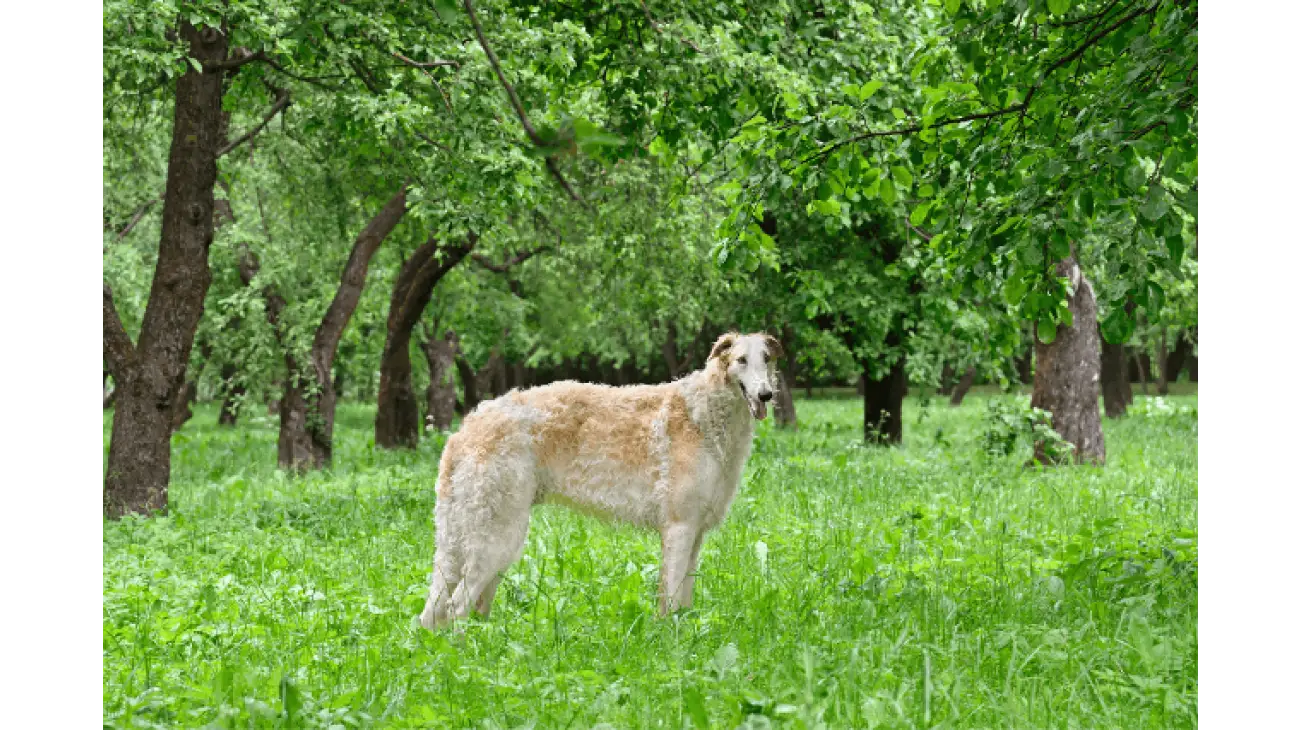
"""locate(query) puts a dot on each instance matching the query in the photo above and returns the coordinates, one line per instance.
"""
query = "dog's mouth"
(757, 408)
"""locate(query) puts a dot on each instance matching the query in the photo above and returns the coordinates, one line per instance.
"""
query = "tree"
(150, 372)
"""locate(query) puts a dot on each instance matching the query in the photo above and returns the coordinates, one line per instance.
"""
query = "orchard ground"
(928, 585)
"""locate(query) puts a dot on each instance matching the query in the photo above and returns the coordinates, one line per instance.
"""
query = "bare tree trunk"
(441, 354)
(1116, 393)
(149, 374)
(882, 403)
(397, 417)
(784, 412)
(1178, 358)
(1025, 367)
(1191, 368)
(962, 387)
(468, 383)
(945, 379)
(1143, 367)
(670, 351)
(1162, 362)
(1066, 383)
(307, 408)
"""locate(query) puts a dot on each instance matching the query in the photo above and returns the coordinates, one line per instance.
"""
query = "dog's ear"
(723, 344)
(774, 349)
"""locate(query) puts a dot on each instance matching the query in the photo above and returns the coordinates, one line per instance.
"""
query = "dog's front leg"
(675, 584)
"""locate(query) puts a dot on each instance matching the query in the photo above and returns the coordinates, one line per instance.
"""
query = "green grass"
(926, 586)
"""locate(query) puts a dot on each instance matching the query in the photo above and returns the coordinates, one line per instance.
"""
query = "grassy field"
(926, 586)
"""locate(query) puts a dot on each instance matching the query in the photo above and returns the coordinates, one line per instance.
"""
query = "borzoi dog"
(667, 457)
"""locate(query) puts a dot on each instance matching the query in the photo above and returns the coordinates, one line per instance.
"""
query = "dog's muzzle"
(757, 406)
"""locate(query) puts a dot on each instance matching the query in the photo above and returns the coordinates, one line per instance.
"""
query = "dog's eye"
(741, 360)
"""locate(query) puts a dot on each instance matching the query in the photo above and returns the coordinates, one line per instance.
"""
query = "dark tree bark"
(1191, 368)
(962, 387)
(1162, 362)
(397, 418)
(468, 383)
(784, 412)
(670, 351)
(1143, 362)
(307, 406)
(150, 374)
(1066, 383)
(1116, 393)
(882, 402)
(441, 354)
(1178, 358)
(945, 379)
(1025, 367)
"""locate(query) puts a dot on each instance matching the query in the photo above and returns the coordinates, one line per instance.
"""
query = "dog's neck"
(719, 409)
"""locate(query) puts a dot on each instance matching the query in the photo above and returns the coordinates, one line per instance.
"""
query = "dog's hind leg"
(497, 542)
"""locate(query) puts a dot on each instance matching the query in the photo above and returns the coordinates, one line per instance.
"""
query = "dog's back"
(598, 448)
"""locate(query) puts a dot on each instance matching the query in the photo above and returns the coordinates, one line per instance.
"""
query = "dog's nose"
(765, 395)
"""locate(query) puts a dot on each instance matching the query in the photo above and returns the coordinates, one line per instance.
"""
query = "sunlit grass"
(849, 587)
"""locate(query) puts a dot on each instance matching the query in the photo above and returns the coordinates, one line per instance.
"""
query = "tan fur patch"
(684, 438)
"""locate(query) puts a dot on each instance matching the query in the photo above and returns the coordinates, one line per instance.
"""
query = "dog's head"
(750, 362)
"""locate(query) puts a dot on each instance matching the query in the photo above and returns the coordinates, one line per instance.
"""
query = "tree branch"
(446, 100)
(137, 217)
(518, 106)
(429, 64)
(655, 27)
(246, 57)
(119, 352)
(506, 265)
(281, 102)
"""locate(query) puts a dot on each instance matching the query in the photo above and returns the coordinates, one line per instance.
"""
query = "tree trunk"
(670, 351)
(1139, 366)
(962, 387)
(882, 403)
(784, 411)
(182, 411)
(468, 383)
(945, 379)
(307, 407)
(1178, 358)
(441, 354)
(1162, 361)
(397, 418)
(148, 374)
(1025, 367)
(1066, 383)
(1116, 393)
(1191, 368)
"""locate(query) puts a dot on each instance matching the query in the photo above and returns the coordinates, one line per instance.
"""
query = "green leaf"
(446, 9)
(1118, 327)
(919, 213)
(695, 708)
(887, 192)
(1058, 7)
(869, 89)
(1085, 202)
(898, 113)
(827, 207)
(1046, 329)
(902, 175)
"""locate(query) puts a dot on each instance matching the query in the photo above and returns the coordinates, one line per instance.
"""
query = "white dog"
(668, 457)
